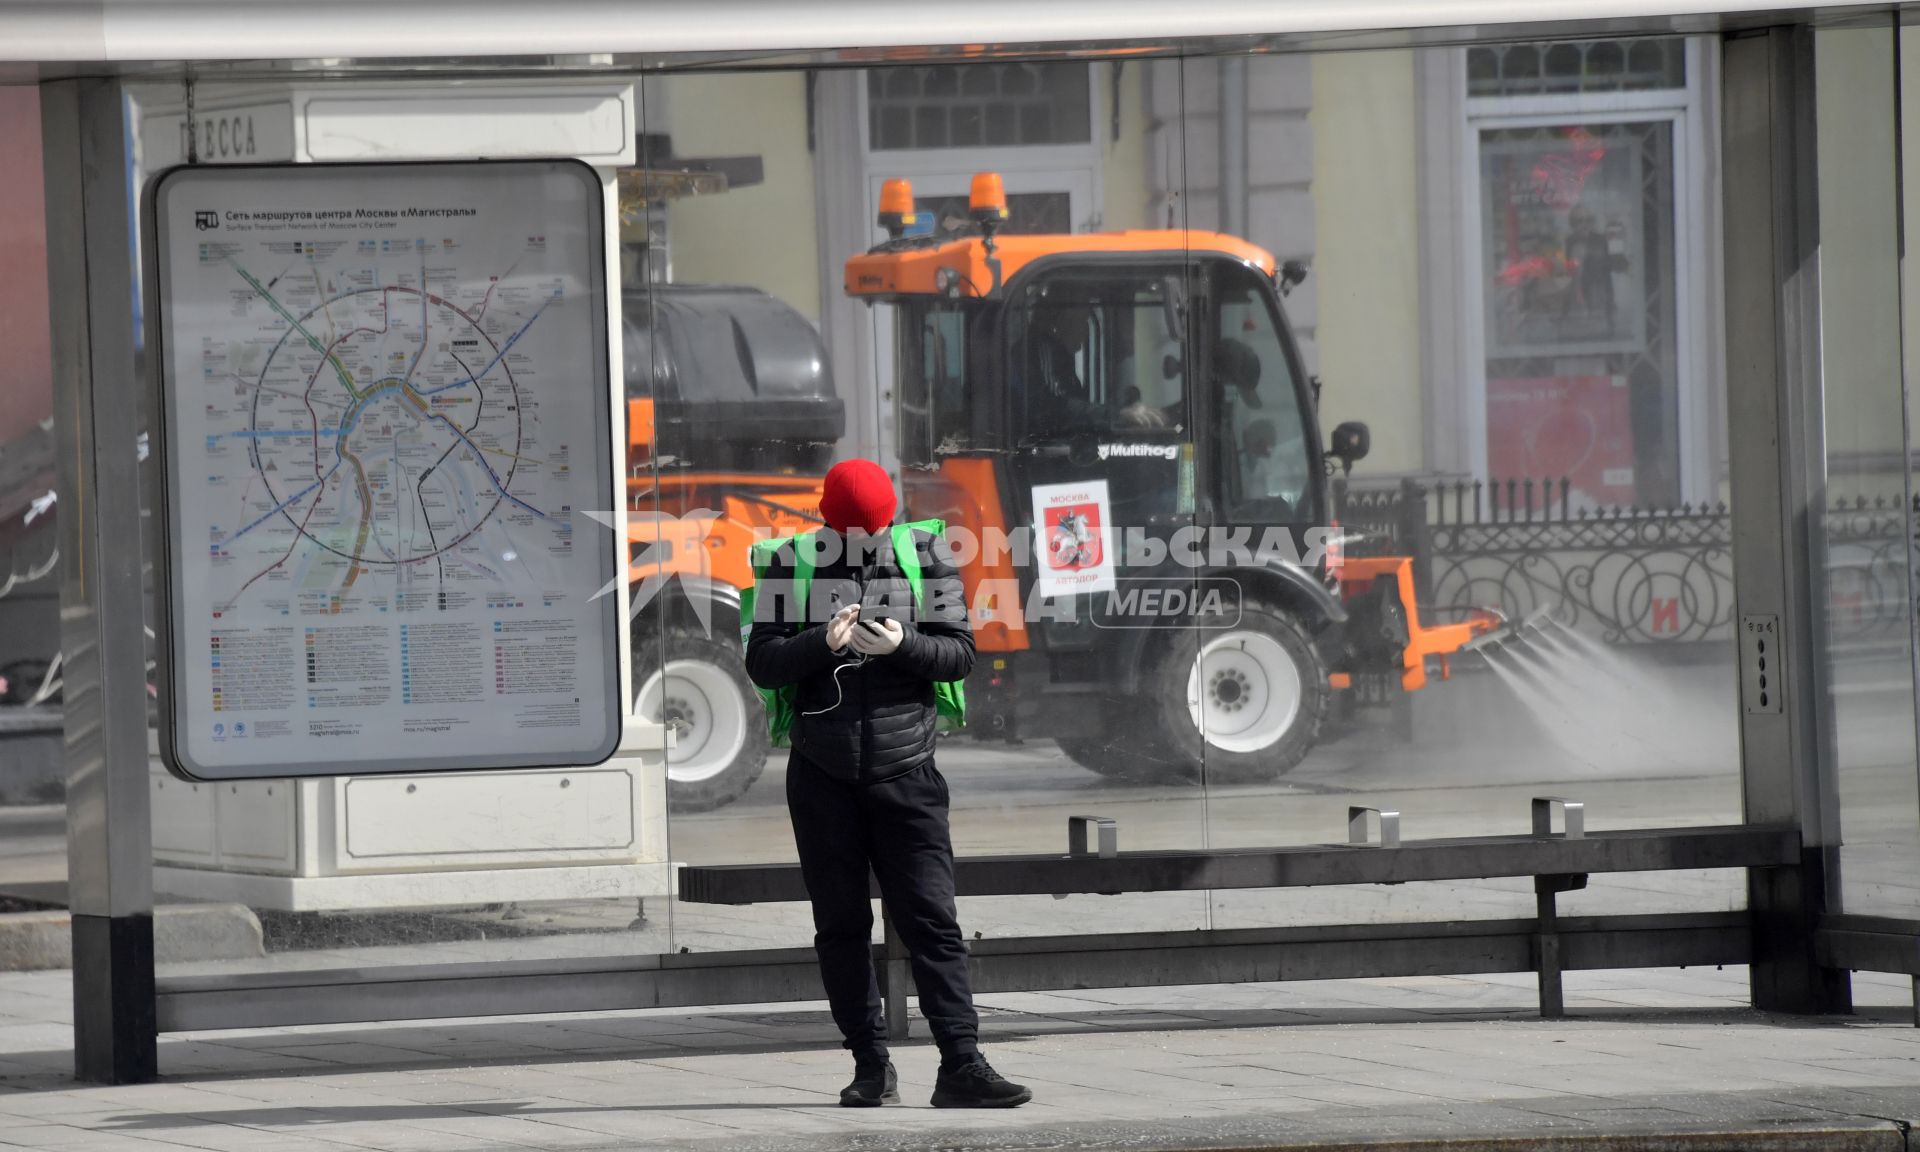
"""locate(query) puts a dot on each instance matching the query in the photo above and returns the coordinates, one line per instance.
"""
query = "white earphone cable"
(839, 689)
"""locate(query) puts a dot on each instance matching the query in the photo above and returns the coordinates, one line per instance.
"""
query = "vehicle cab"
(1133, 406)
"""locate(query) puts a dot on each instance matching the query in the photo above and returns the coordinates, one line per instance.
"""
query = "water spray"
(1510, 632)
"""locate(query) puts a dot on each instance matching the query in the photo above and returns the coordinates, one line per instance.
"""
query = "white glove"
(877, 637)
(841, 629)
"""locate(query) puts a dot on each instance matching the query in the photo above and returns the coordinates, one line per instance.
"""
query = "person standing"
(862, 789)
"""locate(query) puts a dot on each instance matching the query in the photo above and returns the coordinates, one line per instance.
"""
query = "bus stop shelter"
(1788, 232)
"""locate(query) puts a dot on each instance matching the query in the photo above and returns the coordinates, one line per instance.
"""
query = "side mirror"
(1349, 444)
(1292, 274)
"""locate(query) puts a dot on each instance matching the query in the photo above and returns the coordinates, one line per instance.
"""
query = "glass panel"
(555, 862)
(750, 405)
(1577, 224)
(1071, 356)
(1525, 369)
(1577, 66)
(979, 105)
(1540, 419)
(930, 383)
(33, 823)
(29, 598)
(1864, 554)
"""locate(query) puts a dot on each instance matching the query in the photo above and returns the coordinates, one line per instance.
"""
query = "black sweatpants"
(898, 828)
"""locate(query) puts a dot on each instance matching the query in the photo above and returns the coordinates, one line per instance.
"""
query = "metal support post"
(97, 412)
(1776, 466)
(897, 976)
(1553, 997)
(1546, 959)
(1233, 144)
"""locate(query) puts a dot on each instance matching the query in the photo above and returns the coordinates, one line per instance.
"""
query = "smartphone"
(874, 606)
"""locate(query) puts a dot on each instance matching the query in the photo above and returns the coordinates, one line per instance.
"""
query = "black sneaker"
(976, 1085)
(873, 1084)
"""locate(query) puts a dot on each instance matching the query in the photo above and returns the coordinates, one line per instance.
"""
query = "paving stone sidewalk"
(1649, 1060)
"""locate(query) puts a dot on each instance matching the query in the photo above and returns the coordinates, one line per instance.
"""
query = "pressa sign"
(220, 136)
(238, 134)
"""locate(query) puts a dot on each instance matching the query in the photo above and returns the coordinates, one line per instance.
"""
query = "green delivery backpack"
(949, 697)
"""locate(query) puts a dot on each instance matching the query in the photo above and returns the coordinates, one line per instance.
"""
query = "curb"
(1841, 1134)
(37, 941)
(1865, 1136)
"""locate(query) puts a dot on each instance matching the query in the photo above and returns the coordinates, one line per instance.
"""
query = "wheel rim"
(1243, 692)
(707, 713)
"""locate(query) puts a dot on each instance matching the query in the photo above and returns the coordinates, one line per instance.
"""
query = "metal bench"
(1858, 943)
(1557, 860)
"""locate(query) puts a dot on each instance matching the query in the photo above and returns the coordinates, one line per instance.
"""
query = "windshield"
(1100, 354)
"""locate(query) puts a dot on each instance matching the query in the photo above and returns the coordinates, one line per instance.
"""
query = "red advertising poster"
(1579, 427)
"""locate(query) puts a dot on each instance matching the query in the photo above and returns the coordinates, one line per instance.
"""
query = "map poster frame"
(383, 409)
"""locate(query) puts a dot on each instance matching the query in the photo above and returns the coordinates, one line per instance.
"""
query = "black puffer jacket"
(882, 725)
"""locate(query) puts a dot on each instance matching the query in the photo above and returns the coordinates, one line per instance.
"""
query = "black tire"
(720, 723)
(1241, 747)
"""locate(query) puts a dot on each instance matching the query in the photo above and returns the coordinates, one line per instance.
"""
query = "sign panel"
(386, 410)
(1072, 521)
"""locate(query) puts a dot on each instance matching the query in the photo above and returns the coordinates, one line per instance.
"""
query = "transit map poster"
(387, 411)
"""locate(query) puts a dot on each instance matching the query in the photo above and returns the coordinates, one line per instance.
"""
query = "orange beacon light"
(896, 207)
(987, 199)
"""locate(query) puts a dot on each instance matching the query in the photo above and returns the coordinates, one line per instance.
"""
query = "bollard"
(1573, 816)
(1389, 822)
(1106, 836)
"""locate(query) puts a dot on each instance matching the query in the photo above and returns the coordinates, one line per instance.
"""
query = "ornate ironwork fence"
(1871, 548)
(1625, 575)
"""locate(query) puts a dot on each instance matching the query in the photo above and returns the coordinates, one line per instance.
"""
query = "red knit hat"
(858, 494)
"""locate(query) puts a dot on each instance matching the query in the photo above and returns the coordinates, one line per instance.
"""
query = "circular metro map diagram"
(386, 425)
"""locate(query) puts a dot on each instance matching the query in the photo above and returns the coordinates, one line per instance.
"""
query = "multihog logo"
(1157, 451)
